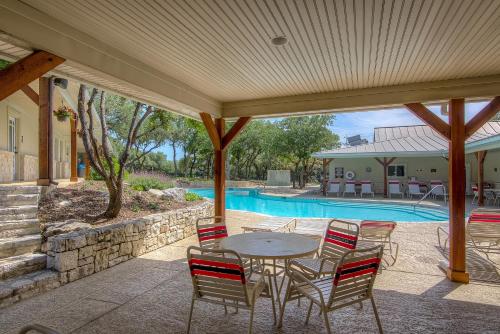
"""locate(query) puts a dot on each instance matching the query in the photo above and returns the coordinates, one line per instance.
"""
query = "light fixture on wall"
(61, 82)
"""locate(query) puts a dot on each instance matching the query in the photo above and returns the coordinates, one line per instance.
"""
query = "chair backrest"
(210, 232)
(340, 237)
(394, 187)
(366, 186)
(484, 225)
(414, 187)
(350, 186)
(217, 273)
(355, 275)
(475, 189)
(376, 228)
(437, 187)
(334, 187)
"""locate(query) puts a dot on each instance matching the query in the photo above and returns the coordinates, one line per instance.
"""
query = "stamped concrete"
(151, 294)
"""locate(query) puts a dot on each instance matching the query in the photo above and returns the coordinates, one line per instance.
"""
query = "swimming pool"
(251, 200)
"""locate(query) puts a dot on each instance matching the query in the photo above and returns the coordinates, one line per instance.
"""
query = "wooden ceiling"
(223, 49)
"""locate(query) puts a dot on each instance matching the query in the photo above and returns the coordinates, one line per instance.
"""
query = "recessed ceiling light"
(280, 40)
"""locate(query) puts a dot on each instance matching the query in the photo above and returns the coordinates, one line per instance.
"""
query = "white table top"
(271, 245)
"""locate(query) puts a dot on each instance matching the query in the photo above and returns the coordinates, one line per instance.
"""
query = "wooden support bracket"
(482, 117)
(29, 92)
(429, 118)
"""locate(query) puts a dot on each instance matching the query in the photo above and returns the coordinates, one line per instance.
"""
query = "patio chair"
(349, 188)
(352, 283)
(395, 188)
(211, 231)
(489, 196)
(482, 232)
(340, 237)
(334, 187)
(219, 278)
(414, 190)
(379, 232)
(366, 188)
(273, 224)
(438, 189)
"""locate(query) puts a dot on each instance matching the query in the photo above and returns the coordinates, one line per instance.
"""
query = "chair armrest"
(328, 259)
(294, 274)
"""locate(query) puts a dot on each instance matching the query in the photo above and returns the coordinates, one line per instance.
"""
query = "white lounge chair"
(366, 188)
(349, 188)
(334, 187)
(395, 188)
(272, 225)
(414, 189)
(438, 189)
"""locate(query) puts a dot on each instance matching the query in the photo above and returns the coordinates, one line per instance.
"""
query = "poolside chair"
(211, 231)
(438, 189)
(395, 188)
(273, 224)
(379, 232)
(366, 188)
(475, 191)
(482, 232)
(340, 237)
(351, 284)
(489, 196)
(334, 187)
(414, 189)
(349, 188)
(219, 278)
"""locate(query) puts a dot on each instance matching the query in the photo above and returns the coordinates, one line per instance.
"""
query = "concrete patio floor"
(151, 294)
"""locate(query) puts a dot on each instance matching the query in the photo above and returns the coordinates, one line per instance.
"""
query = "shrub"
(96, 177)
(146, 183)
(190, 197)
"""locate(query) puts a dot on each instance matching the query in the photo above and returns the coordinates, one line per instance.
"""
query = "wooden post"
(480, 156)
(456, 270)
(220, 173)
(326, 164)
(45, 93)
(74, 172)
(87, 166)
(385, 164)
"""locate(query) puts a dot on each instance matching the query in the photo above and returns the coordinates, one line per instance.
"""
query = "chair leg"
(271, 292)
(327, 322)
(309, 312)
(282, 312)
(379, 324)
(190, 315)
(251, 317)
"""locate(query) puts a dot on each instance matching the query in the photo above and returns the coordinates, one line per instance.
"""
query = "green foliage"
(3, 64)
(191, 197)
(97, 177)
(144, 183)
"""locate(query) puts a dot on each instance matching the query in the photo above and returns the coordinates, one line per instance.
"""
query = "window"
(396, 170)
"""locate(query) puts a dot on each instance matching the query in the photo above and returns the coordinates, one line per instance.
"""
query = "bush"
(146, 183)
(96, 177)
(191, 197)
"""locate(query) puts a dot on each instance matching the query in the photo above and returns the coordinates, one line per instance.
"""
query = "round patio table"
(271, 246)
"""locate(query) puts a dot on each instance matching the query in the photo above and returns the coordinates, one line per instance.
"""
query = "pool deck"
(151, 294)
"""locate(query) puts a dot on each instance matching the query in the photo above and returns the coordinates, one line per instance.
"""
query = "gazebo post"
(480, 156)
(220, 141)
(326, 164)
(385, 164)
(73, 121)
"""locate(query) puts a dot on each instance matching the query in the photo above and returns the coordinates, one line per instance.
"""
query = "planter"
(62, 118)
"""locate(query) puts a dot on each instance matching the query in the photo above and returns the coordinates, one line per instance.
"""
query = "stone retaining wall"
(78, 254)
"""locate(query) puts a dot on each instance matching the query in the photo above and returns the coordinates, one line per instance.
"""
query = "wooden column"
(385, 164)
(456, 171)
(45, 94)
(480, 156)
(220, 141)
(220, 173)
(87, 166)
(73, 159)
(326, 164)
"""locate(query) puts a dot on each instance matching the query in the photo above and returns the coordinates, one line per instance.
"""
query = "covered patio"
(231, 62)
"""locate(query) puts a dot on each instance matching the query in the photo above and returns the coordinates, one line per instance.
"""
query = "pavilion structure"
(236, 61)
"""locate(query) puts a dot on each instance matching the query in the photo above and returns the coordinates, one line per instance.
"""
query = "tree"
(103, 159)
(176, 134)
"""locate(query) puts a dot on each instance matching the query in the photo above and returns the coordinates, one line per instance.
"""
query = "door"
(12, 145)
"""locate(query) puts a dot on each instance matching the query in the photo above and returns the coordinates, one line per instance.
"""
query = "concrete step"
(15, 266)
(19, 190)
(7, 200)
(26, 286)
(17, 228)
(18, 212)
(20, 245)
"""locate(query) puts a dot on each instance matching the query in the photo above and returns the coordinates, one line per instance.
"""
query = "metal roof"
(418, 140)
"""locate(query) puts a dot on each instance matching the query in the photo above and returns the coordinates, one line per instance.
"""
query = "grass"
(144, 182)
(191, 197)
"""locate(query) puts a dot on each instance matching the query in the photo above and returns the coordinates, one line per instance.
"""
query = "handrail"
(37, 328)
(430, 192)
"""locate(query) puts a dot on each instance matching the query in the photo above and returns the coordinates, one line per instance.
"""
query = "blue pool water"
(251, 200)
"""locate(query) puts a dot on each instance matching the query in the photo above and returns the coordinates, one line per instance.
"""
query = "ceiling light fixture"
(280, 40)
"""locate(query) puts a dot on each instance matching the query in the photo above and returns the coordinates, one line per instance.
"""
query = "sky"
(363, 122)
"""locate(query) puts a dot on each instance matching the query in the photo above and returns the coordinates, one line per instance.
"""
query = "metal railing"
(429, 193)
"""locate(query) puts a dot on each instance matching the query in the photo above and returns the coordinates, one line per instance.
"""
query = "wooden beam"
(480, 156)
(457, 270)
(213, 133)
(220, 173)
(385, 164)
(235, 129)
(29, 92)
(429, 118)
(73, 159)
(18, 75)
(87, 166)
(487, 113)
(44, 121)
(326, 163)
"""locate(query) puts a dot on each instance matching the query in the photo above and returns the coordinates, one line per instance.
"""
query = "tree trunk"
(175, 160)
(115, 199)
